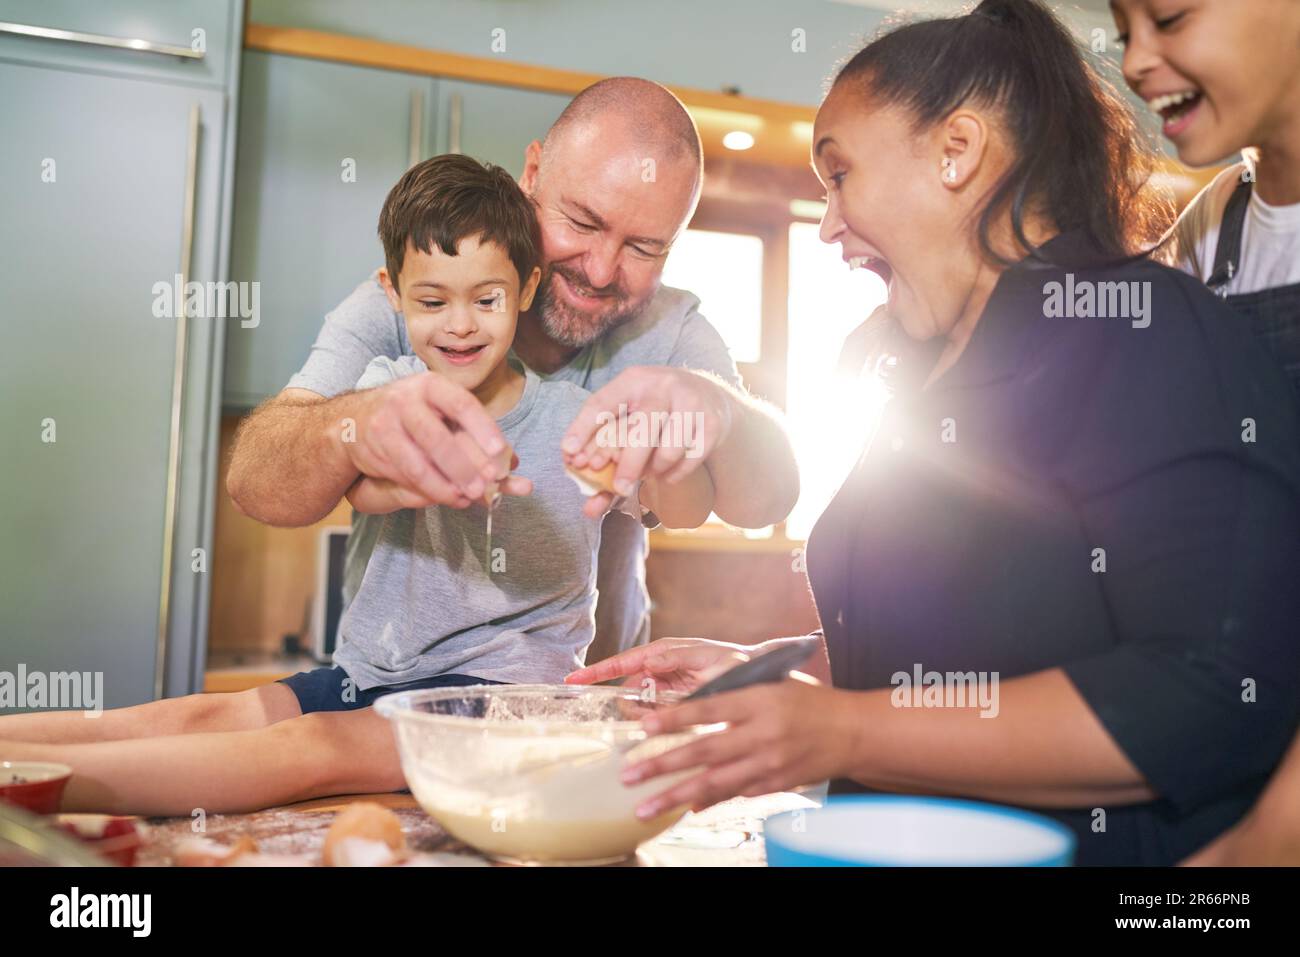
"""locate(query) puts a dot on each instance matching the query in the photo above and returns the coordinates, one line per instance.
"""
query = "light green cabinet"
(494, 124)
(210, 27)
(320, 145)
(102, 169)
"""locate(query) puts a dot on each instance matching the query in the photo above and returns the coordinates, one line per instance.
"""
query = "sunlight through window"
(726, 271)
(830, 416)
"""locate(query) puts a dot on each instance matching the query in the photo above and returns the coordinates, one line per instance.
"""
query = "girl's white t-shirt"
(1270, 244)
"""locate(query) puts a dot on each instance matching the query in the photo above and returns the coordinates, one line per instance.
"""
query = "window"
(830, 416)
(726, 271)
(784, 302)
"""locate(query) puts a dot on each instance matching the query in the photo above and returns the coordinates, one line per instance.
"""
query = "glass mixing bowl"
(530, 773)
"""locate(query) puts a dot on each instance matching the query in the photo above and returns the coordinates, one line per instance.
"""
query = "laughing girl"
(1225, 77)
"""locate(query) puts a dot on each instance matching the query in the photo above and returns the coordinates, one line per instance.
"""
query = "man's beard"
(573, 327)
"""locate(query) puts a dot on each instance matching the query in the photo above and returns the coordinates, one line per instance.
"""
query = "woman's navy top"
(1118, 501)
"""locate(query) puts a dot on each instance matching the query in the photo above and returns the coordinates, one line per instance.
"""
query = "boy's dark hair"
(444, 199)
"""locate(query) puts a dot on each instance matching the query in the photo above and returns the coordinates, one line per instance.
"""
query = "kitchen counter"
(239, 671)
(726, 835)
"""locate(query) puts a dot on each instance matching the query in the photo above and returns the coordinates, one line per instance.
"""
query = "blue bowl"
(889, 831)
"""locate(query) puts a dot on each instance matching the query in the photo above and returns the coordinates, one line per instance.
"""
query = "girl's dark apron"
(1273, 314)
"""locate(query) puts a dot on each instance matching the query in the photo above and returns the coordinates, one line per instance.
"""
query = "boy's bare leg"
(190, 714)
(312, 755)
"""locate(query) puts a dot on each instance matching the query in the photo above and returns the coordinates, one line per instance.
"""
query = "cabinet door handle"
(99, 40)
(416, 146)
(178, 399)
(455, 106)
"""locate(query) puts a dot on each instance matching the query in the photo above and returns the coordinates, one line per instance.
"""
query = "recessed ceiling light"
(738, 140)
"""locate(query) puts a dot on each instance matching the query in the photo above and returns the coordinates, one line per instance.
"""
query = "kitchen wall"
(714, 45)
(682, 42)
(264, 577)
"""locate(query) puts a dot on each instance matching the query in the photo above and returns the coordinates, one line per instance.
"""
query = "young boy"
(439, 603)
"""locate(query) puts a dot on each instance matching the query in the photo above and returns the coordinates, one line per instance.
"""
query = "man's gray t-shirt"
(669, 332)
(437, 596)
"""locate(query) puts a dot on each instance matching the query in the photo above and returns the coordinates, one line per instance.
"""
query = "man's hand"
(693, 418)
(432, 440)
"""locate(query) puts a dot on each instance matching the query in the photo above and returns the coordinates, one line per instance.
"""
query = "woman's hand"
(778, 736)
(669, 664)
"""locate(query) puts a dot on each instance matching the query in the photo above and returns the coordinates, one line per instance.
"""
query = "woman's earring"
(949, 170)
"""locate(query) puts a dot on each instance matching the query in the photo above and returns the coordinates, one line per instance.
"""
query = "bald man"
(615, 181)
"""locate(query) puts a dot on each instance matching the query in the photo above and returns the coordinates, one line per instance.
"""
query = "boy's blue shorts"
(322, 689)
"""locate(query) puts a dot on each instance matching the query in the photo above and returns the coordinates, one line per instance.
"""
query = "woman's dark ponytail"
(1080, 160)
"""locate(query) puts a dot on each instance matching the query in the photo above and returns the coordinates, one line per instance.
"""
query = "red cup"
(34, 785)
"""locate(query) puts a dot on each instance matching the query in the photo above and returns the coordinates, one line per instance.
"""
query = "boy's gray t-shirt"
(669, 332)
(432, 599)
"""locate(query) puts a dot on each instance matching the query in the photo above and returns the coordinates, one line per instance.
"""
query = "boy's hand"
(374, 496)
(597, 505)
(432, 440)
(693, 413)
(602, 500)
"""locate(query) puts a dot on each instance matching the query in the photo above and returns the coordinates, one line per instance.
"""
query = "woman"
(1086, 504)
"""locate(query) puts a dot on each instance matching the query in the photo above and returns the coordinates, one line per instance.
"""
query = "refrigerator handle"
(178, 400)
(99, 40)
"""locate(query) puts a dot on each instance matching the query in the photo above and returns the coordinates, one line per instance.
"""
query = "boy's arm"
(368, 494)
(375, 496)
(299, 452)
(683, 504)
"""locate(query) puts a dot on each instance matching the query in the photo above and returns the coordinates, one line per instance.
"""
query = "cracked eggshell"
(205, 852)
(592, 481)
(367, 821)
